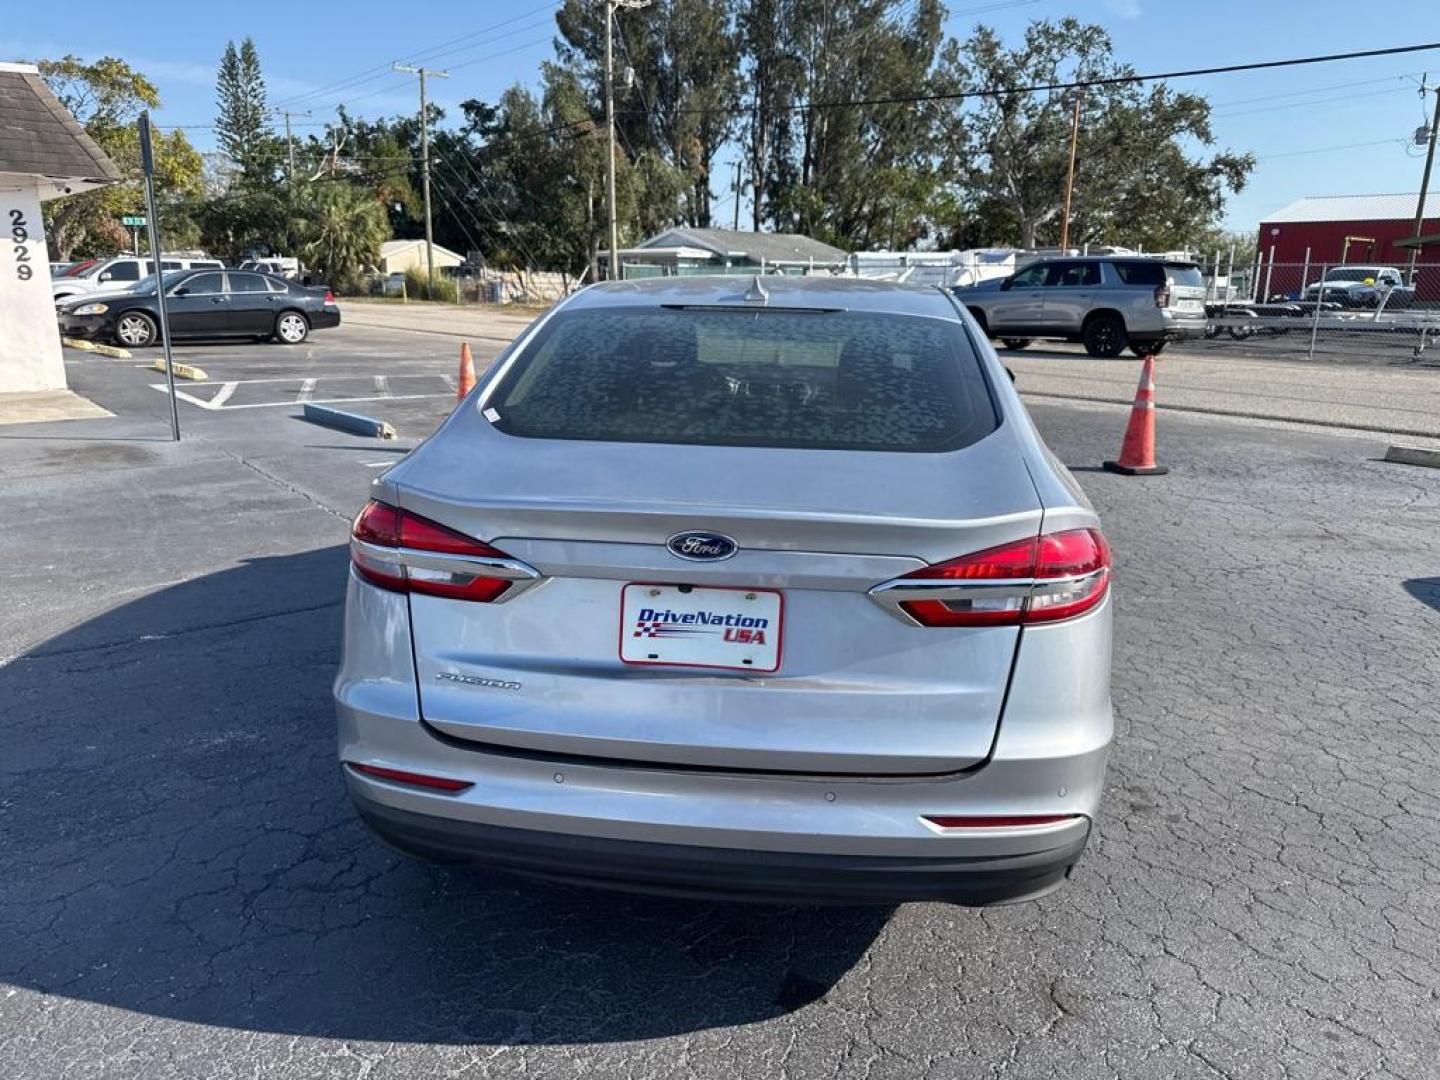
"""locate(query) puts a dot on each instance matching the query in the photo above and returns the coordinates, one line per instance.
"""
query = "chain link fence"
(1320, 311)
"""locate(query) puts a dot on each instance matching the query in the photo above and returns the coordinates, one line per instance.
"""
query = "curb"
(113, 351)
(77, 343)
(1413, 455)
(348, 421)
(182, 371)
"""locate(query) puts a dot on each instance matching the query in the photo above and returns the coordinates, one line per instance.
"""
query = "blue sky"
(1326, 129)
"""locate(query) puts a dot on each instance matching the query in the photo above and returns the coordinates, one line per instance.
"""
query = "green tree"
(242, 125)
(106, 96)
(1008, 149)
(342, 227)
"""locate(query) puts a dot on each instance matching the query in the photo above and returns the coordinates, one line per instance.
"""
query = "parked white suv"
(1106, 302)
(121, 272)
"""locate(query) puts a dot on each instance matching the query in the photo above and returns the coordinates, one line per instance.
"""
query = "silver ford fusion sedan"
(759, 588)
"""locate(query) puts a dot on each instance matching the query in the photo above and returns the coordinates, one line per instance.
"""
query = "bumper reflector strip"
(944, 821)
(399, 776)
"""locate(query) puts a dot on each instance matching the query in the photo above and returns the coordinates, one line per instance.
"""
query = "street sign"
(133, 222)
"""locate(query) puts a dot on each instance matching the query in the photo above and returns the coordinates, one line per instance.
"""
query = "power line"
(449, 45)
(1311, 90)
(1328, 149)
(1309, 104)
(1079, 84)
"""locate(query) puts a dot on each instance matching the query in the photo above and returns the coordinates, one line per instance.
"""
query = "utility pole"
(736, 226)
(1070, 177)
(1425, 177)
(425, 167)
(610, 6)
(290, 144)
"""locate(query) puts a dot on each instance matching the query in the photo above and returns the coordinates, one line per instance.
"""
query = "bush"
(417, 287)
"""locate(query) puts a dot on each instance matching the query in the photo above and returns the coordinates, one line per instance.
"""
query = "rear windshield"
(1155, 273)
(831, 381)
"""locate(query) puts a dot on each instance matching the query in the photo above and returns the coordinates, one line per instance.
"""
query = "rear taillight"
(329, 297)
(398, 550)
(1036, 580)
(1162, 296)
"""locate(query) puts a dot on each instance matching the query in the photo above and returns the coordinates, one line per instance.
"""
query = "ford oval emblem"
(702, 546)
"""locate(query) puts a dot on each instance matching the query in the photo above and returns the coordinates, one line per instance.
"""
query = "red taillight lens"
(1041, 579)
(400, 776)
(384, 526)
(1162, 296)
(329, 297)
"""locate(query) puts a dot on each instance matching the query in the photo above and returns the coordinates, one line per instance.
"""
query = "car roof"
(725, 290)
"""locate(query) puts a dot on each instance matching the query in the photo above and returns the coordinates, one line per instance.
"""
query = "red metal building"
(1321, 225)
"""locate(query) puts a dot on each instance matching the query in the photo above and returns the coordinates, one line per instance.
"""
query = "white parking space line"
(307, 388)
(202, 403)
(223, 396)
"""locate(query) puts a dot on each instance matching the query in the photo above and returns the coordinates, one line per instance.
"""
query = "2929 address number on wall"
(19, 234)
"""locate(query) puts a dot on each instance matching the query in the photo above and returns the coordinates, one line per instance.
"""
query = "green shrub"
(417, 287)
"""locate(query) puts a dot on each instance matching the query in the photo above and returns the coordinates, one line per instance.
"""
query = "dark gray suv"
(1105, 302)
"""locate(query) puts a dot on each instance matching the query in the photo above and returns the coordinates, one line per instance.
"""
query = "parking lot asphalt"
(187, 893)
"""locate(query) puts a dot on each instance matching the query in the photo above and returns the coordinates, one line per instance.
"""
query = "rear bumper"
(729, 873)
(785, 837)
(324, 319)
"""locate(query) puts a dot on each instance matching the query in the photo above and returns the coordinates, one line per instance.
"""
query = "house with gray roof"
(685, 250)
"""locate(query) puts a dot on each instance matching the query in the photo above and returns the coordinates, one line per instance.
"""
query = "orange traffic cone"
(467, 373)
(1137, 452)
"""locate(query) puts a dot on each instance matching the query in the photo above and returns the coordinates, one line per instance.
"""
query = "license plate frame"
(664, 642)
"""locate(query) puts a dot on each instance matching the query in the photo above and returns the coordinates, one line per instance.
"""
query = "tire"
(1016, 343)
(291, 328)
(136, 330)
(1148, 348)
(1104, 335)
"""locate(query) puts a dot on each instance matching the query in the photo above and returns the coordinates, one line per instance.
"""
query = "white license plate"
(1190, 305)
(692, 626)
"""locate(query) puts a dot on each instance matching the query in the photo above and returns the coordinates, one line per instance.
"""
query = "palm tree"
(341, 229)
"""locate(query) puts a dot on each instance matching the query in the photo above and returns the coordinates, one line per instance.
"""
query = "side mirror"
(1007, 284)
(183, 290)
(106, 276)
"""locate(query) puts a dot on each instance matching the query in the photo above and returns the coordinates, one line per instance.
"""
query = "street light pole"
(425, 168)
(1070, 177)
(1425, 177)
(610, 6)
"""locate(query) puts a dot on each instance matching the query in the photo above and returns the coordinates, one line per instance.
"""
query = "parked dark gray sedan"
(203, 303)
(760, 588)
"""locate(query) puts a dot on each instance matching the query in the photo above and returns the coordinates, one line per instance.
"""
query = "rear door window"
(831, 381)
(246, 283)
(1073, 275)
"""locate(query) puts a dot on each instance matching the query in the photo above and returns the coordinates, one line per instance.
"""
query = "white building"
(44, 154)
(397, 256)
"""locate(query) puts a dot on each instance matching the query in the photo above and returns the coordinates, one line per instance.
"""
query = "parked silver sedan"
(762, 588)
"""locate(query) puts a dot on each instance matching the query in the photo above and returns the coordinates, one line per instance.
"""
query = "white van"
(119, 273)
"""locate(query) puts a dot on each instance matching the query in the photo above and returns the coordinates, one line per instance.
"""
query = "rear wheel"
(1147, 348)
(291, 328)
(1016, 342)
(1104, 335)
(136, 329)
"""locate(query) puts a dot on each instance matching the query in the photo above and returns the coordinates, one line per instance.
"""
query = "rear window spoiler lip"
(751, 306)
